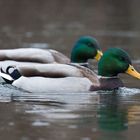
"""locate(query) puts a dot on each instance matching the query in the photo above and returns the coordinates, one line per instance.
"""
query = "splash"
(128, 91)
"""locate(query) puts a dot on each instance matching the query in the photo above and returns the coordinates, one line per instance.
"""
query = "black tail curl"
(15, 74)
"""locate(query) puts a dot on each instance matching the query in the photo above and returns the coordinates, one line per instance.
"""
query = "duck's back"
(31, 55)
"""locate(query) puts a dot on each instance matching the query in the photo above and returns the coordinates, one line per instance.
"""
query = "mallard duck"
(85, 48)
(75, 78)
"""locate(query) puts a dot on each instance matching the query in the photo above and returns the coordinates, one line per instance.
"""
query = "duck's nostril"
(132, 69)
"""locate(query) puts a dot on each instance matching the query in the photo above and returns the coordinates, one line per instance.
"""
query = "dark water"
(102, 115)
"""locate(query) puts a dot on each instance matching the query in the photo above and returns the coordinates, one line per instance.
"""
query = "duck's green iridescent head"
(115, 61)
(86, 48)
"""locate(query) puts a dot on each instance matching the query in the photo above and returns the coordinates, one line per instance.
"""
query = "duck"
(76, 78)
(86, 47)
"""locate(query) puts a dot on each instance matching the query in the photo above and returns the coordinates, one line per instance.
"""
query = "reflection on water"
(72, 116)
(112, 115)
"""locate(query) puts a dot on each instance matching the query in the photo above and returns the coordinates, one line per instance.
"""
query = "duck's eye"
(122, 58)
(90, 44)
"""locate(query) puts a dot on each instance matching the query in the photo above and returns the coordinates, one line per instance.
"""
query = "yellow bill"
(131, 71)
(98, 55)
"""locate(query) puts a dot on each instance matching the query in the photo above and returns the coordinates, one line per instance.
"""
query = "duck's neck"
(108, 83)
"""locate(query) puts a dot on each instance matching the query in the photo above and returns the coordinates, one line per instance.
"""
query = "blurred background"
(60, 22)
